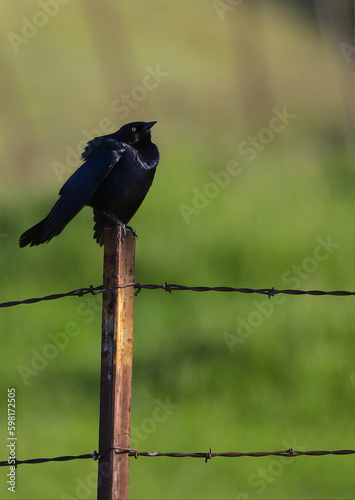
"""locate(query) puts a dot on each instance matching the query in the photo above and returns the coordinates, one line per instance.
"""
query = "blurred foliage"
(245, 373)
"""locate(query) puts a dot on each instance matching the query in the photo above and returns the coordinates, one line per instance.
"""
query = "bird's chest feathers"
(145, 159)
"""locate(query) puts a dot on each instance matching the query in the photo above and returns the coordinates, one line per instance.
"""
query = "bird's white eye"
(134, 129)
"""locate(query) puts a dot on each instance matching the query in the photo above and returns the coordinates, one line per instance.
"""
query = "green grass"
(245, 373)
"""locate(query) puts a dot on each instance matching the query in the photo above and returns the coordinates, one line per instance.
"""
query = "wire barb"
(208, 456)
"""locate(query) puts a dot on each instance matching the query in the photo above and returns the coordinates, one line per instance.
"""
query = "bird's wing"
(79, 188)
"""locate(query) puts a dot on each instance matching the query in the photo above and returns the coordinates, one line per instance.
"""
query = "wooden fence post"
(116, 365)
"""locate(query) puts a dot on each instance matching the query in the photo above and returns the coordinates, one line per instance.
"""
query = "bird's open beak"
(148, 125)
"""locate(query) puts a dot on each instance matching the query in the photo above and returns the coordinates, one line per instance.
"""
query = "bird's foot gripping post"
(121, 224)
(125, 228)
(116, 364)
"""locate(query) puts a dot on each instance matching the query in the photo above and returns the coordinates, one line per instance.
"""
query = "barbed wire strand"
(172, 287)
(132, 452)
(65, 458)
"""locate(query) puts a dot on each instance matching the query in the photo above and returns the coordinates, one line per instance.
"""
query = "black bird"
(114, 179)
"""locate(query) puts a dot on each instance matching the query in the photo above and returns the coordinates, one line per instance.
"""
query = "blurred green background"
(228, 371)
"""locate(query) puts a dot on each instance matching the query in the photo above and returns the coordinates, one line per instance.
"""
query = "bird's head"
(135, 132)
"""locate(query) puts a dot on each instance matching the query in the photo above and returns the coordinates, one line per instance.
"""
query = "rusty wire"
(132, 452)
(172, 287)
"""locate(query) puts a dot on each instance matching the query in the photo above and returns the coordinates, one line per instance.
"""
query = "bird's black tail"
(42, 232)
(33, 236)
